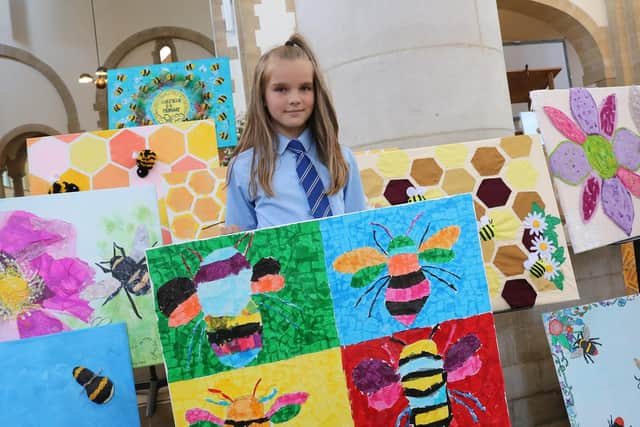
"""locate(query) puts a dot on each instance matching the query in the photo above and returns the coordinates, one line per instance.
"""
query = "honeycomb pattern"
(106, 159)
(195, 201)
(506, 176)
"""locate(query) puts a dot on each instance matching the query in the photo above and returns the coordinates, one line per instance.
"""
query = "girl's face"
(289, 95)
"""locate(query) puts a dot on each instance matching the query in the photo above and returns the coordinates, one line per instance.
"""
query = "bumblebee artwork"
(99, 389)
(146, 160)
(63, 187)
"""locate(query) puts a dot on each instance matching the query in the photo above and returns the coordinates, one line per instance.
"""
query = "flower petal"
(565, 125)
(617, 204)
(634, 105)
(626, 147)
(9, 330)
(584, 110)
(73, 306)
(630, 180)
(569, 163)
(37, 323)
(608, 116)
(590, 197)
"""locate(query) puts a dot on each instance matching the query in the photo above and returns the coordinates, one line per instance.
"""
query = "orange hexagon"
(201, 182)
(168, 143)
(201, 141)
(206, 233)
(77, 178)
(480, 210)
(187, 164)
(487, 161)
(184, 227)
(221, 192)
(426, 172)
(176, 178)
(220, 173)
(123, 145)
(206, 210)
(179, 199)
(510, 260)
(88, 153)
(516, 146)
(488, 248)
(524, 201)
(110, 176)
(457, 181)
(38, 185)
(371, 182)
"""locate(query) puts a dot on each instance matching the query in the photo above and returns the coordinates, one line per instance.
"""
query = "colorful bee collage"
(349, 320)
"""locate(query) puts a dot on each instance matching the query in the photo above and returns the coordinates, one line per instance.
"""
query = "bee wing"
(357, 259)
(484, 220)
(101, 289)
(286, 407)
(141, 242)
(461, 360)
(507, 225)
(196, 415)
(443, 239)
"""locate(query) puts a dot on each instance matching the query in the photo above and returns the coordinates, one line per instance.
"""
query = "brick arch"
(30, 60)
(119, 52)
(590, 41)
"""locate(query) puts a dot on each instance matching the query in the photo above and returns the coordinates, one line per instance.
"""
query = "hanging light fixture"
(100, 76)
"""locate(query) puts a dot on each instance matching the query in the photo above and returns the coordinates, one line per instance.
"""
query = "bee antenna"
(413, 223)
(399, 341)
(384, 228)
(221, 393)
(196, 253)
(184, 261)
(255, 388)
(434, 330)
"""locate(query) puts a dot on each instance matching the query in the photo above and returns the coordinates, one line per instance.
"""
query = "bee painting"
(99, 389)
(233, 324)
(145, 160)
(222, 99)
(424, 376)
(63, 187)
(224, 136)
(117, 107)
(143, 88)
(248, 411)
(189, 66)
(121, 77)
(126, 272)
(133, 107)
(206, 95)
(120, 125)
(406, 282)
(145, 72)
(147, 122)
(132, 118)
(169, 76)
(497, 227)
(585, 346)
(188, 77)
(215, 67)
(222, 116)
(156, 81)
(539, 266)
(415, 195)
(118, 91)
(486, 228)
(200, 84)
(219, 81)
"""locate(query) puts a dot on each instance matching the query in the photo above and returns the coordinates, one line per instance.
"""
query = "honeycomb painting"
(593, 143)
(523, 245)
(194, 203)
(108, 159)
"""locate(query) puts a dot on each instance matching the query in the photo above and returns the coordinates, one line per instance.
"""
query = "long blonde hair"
(259, 132)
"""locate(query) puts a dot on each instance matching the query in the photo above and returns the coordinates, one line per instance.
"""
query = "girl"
(288, 165)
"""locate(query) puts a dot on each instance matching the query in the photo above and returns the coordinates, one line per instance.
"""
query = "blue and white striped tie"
(311, 183)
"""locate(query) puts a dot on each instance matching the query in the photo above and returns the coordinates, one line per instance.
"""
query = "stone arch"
(137, 39)
(590, 40)
(30, 60)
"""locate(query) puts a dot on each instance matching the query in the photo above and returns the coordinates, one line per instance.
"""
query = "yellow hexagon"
(372, 183)
(77, 178)
(205, 233)
(176, 178)
(434, 193)
(516, 146)
(201, 141)
(378, 202)
(521, 175)
(457, 181)
(220, 173)
(494, 279)
(393, 163)
(452, 155)
(179, 199)
(206, 210)
(507, 225)
(168, 144)
(184, 227)
(488, 248)
(201, 182)
(88, 154)
(162, 210)
(221, 192)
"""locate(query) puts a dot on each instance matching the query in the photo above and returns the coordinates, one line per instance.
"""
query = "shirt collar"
(305, 139)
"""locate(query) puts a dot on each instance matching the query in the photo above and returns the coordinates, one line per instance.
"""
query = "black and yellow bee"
(169, 77)
(133, 106)
(219, 81)
(121, 77)
(224, 136)
(118, 91)
(415, 195)
(222, 117)
(143, 88)
(189, 66)
(63, 187)
(117, 107)
(132, 118)
(120, 125)
(145, 72)
(147, 122)
(146, 160)
(200, 84)
(487, 229)
(206, 95)
(99, 389)
(222, 99)
(586, 345)
(215, 67)
(188, 77)
(156, 80)
(205, 106)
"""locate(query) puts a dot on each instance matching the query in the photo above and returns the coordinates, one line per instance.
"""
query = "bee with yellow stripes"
(498, 225)
(118, 91)
(121, 77)
(189, 66)
(117, 107)
(145, 72)
(222, 117)
(147, 122)
(99, 389)
(415, 194)
(133, 106)
(219, 81)
(156, 81)
(120, 125)
(224, 136)
(169, 77)
(132, 118)
(144, 88)
(222, 99)
(215, 67)
(424, 376)
(188, 77)
(145, 160)
(200, 84)
(206, 95)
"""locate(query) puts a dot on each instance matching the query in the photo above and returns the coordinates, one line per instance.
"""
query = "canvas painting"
(75, 378)
(591, 138)
(121, 158)
(317, 293)
(174, 92)
(525, 253)
(194, 202)
(76, 260)
(596, 358)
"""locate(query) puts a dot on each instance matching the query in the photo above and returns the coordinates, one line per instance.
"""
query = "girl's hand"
(229, 229)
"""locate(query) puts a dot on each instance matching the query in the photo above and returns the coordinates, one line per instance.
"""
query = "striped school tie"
(308, 177)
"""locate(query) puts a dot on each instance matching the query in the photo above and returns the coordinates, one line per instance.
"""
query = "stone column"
(2, 192)
(411, 73)
(16, 168)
